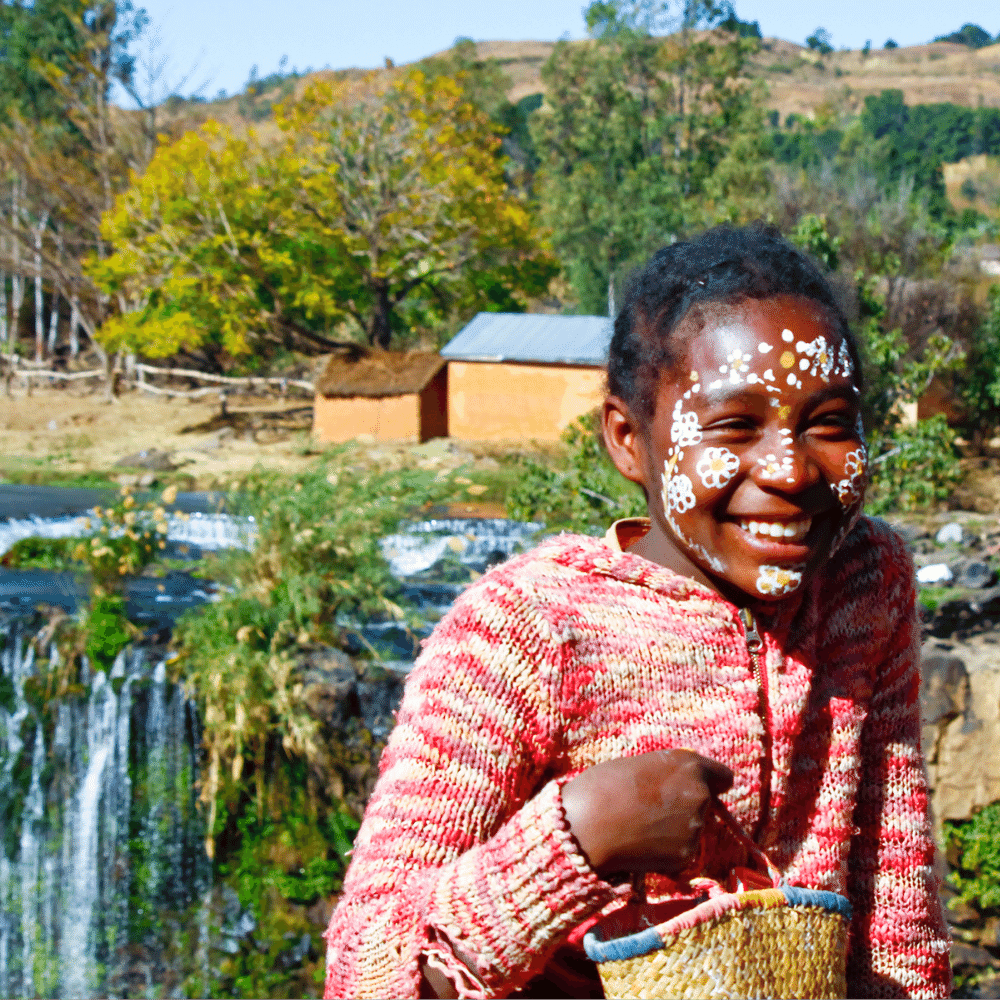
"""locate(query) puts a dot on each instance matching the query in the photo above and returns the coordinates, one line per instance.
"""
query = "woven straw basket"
(778, 942)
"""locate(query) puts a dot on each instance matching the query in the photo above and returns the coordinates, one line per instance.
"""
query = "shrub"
(316, 567)
(582, 491)
(914, 467)
(977, 842)
(980, 379)
(124, 540)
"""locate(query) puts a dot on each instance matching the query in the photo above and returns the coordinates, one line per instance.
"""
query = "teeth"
(793, 531)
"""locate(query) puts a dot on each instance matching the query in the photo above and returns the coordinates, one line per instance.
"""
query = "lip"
(779, 550)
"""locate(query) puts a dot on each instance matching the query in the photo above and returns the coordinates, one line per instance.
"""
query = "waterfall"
(106, 835)
(105, 887)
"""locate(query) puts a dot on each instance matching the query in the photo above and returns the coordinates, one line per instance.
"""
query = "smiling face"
(754, 462)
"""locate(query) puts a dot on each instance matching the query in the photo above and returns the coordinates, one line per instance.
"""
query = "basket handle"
(726, 817)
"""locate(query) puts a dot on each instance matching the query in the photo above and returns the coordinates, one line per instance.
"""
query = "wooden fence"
(135, 378)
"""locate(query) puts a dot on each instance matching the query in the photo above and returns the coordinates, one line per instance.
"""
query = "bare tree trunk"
(54, 304)
(53, 323)
(39, 318)
(16, 278)
(74, 325)
(4, 328)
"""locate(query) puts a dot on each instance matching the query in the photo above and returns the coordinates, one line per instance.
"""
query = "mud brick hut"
(389, 396)
(524, 376)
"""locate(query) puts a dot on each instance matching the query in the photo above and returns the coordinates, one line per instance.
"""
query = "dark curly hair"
(723, 265)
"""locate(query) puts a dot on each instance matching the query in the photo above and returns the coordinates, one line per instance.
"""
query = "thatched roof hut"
(387, 395)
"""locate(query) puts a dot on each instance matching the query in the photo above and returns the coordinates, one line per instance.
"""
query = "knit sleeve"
(900, 946)
(464, 849)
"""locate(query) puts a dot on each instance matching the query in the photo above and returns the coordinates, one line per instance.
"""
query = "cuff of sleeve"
(508, 903)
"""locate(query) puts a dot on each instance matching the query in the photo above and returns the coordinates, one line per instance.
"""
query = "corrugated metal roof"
(574, 340)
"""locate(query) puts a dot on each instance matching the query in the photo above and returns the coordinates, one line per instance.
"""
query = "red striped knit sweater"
(578, 652)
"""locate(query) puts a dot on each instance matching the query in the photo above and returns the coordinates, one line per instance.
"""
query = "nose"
(782, 462)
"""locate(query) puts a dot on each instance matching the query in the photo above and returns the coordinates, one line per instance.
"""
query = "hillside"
(798, 80)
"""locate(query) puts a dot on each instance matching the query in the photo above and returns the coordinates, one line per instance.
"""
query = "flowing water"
(101, 843)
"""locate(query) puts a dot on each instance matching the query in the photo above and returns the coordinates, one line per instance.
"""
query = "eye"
(833, 423)
(732, 429)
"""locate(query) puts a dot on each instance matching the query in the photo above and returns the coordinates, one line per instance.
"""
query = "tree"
(640, 138)
(381, 210)
(819, 41)
(67, 154)
(969, 34)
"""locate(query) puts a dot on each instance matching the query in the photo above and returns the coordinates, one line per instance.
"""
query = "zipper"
(755, 647)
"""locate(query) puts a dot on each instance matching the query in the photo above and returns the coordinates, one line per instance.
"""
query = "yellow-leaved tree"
(382, 211)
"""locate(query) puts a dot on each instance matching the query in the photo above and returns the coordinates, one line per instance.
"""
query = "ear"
(624, 441)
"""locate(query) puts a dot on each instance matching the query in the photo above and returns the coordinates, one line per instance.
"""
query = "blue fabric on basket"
(797, 896)
(647, 940)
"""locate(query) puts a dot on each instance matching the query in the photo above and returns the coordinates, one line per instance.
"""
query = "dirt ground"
(63, 437)
(56, 432)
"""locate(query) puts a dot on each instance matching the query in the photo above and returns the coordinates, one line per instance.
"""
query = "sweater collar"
(610, 557)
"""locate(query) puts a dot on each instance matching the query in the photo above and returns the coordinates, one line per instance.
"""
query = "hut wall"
(387, 418)
(509, 401)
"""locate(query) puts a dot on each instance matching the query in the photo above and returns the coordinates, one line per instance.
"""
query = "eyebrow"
(731, 393)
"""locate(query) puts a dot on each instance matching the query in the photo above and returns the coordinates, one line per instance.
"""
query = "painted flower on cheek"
(685, 430)
(776, 580)
(716, 467)
(678, 494)
(849, 489)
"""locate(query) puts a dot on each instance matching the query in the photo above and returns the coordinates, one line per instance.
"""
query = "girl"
(755, 638)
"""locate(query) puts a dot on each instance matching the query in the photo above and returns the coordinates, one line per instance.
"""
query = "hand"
(643, 813)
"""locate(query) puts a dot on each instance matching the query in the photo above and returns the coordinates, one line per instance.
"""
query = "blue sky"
(215, 42)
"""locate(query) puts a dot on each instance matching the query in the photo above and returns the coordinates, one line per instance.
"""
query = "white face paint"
(776, 581)
(686, 430)
(716, 467)
(718, 478)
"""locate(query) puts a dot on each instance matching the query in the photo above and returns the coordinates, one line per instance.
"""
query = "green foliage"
(969, 34)
(979, 381)
(123, 539)
(40, 553)
(890, 44)
(901, 146)
(914, 467)
(583, 492)
(819, 41)
(107, 630)
(813, 236)
(316, 567)
(640, 138)
(977, 877)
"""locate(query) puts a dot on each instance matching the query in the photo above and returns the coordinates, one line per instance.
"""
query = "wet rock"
(295, 955)
(380, 690)
(330, 686)
(973, 573)
(935, 573)
(910, 533)
(950, 534)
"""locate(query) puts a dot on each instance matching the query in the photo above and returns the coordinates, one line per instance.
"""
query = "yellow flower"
(169, 495)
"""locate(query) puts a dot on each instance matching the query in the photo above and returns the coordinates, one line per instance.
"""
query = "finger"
(717, 776)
